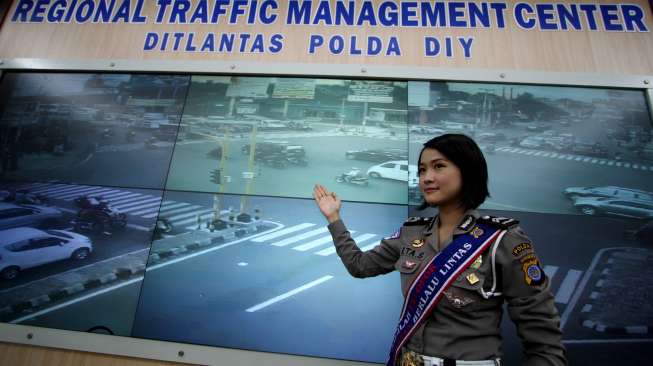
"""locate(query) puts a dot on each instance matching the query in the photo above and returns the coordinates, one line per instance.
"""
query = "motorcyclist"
(353, 173)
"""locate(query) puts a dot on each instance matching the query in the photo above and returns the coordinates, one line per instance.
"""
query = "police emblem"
(417, 243)
(477, 232)
(533, 273)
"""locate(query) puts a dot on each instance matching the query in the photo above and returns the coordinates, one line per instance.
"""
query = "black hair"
(467, 156)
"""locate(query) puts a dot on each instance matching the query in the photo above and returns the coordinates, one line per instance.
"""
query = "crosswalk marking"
(140, 201)
(313, 244)
(204, 214)
(282, 232)
(77, 192)
(568, 285)
(58, 188)
(152, 206)
(294, 239)
(358, 240)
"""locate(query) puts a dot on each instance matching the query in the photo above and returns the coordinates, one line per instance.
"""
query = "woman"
(457, 268)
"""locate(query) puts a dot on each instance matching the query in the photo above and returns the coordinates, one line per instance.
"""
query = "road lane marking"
(149, 268)
(550, 271)
(60, 188)
(314, 244)
(289, 294)
(568, 286)
(137, 202)
(296, 238)
(285, 231)
(148, 207)
(77, 192)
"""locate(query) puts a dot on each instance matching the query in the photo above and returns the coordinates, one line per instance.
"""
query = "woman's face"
(439, 179)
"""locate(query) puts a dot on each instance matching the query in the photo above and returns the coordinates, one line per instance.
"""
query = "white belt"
(435, 361)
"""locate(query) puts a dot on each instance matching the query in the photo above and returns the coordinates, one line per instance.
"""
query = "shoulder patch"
(417, 220)
(501, 222)
(522, 247)
(533, 273)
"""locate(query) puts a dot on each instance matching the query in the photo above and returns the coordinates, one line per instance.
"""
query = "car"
(377, 155)
(607, 191)
(537, 127)
(265, 149)
(397, 170)
(25, 247)
(491, 137)
(426, 130)
(623, 207)
(588, 148)
(12, 215)
(533, 143)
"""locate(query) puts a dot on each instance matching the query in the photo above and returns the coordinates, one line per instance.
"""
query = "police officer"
(464, 326)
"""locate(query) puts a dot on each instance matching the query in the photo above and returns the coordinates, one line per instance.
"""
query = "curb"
(615, 264)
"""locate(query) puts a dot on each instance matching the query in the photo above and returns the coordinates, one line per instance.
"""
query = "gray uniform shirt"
(465, 324)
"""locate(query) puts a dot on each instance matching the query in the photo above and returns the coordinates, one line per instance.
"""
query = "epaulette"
(417, 220)
(501, 222)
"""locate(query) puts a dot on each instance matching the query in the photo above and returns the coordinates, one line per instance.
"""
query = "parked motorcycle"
(353, 177)
(162, 226)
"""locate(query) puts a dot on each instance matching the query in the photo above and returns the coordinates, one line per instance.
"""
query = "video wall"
(179, 207)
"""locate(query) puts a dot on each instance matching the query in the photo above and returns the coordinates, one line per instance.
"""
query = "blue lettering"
(209, 43)
(589, 10)
(83, 14)
(56, 12)
(345, 14)
(22, 10)
(178, 36)
(257, 46)
(151, 39)
(138, 16)
(323, 13)
(393, 47)
(189, 44)
(297, 14)
(265, 7)
(519, 15)
(315, 41)
(499, 9)
(545, 14)
(71, 11)
(251, 19)
(123, 12)
(201, 12)
(163, 6)
(374, 45)
(244, 37)
(39, 10)
(336, 44)
(104, 12)
(366, 14)
(609, 16)
(448, 49)
(634, 17)
(218, 10)
(352, 49)
(568, 16)
(179, 10)
(276, 43)
(164, 41)
(481, 15)
(431, 46)
(432, 14)
(467, 45)
(408, 12)
(227, 42)
(456, 12)
(236, 11)
(388, 19)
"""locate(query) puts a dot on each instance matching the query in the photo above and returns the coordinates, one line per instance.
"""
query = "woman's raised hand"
(328, 203)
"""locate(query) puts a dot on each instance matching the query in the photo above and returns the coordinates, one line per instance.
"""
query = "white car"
(398, 170)
(25, 247)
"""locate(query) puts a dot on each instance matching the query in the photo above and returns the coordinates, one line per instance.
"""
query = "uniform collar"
(464, 226)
